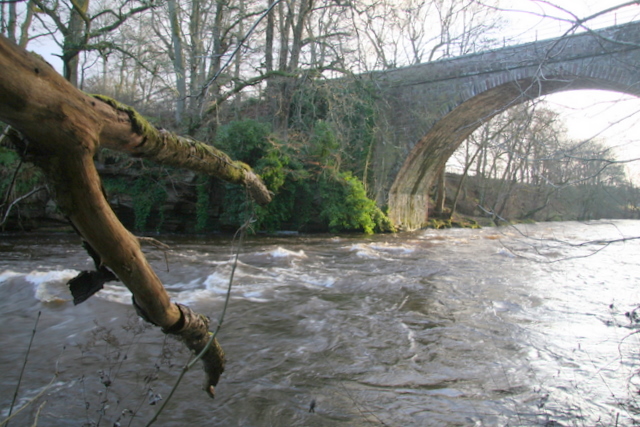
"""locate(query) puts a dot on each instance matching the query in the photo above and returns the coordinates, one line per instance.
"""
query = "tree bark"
(62, 128)
(178, 60)
(74, 41)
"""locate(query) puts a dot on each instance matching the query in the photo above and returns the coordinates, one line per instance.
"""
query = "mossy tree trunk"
(61, 128)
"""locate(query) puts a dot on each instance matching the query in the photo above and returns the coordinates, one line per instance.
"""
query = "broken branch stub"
(193, 330)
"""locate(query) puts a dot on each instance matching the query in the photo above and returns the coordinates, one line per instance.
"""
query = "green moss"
(465, 223)
(239, 169)
(346, 207)
(241, 165)
(527, 221)
(140, 125)
(438, 224)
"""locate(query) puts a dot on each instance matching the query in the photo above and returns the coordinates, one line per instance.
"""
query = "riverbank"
(478, 204)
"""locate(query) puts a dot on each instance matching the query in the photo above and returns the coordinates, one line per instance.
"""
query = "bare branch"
(18, 200)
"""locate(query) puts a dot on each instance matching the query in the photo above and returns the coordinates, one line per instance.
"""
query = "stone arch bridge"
(432, 108)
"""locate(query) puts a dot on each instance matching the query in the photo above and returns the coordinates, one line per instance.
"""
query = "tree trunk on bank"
(178, 60)
(74, 39)
(62, 129)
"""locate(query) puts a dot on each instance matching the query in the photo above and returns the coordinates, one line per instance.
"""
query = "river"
(493, 327)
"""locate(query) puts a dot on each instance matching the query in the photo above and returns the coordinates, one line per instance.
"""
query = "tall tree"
(74, 21)
(178, 58)
(10, 17)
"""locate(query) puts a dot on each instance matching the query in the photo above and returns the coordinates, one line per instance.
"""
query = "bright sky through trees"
(603, 115)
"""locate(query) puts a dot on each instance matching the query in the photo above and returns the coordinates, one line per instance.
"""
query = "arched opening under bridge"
(409, 195)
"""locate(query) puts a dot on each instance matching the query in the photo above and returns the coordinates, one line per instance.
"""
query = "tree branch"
(18, 200)
(131, 133)
(119, 21)
(65, 127)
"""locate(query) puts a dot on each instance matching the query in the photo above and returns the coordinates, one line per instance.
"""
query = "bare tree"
(526, 149)
(16, 15)
(75, 23)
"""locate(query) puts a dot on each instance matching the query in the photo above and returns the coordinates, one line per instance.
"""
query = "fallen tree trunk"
(61, 128)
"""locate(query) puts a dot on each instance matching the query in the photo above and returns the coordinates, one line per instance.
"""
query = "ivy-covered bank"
(310, 193)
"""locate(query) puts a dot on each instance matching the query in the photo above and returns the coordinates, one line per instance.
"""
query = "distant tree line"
(522, 165)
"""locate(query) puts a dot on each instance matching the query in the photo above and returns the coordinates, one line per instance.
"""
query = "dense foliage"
(310, 193)
(519, 166)
(146, 192)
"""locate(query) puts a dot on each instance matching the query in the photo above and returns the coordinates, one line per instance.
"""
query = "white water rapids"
(492, 327)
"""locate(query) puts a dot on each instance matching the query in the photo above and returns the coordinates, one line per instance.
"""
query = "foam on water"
(386, 247)
(281, 252)
(411, 337)
(51, 286)
(461, 335)
(505, 253)
(190, 297)
(44, 277)
(364, 251)
(318, 280)
(255, 296)
(379, 251)
(217, 282)
(114, 292)
(8, 274)
(180, 286)
(251, 282)
(299, 276)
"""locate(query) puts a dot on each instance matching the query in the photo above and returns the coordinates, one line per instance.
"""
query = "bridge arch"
(408, 198)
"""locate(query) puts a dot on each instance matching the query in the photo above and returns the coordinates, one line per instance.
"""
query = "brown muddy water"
(493, 327)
